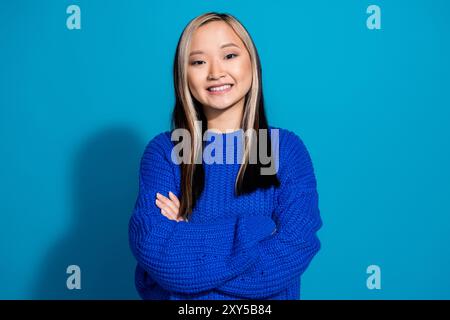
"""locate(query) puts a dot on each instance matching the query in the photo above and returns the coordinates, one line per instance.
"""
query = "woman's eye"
(229, 56)
(197, 62)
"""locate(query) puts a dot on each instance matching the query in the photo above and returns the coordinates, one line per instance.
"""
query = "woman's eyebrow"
(230, 44)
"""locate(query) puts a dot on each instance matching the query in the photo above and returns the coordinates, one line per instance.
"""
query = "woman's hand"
(169, 207)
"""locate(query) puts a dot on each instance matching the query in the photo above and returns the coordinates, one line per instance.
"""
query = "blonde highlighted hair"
(188, 111)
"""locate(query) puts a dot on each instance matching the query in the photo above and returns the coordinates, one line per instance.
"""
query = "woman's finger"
(174, 198)
(168, 215)
(167, 202)
(165, 207)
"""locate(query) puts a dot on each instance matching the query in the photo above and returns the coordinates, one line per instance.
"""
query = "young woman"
(221, 230)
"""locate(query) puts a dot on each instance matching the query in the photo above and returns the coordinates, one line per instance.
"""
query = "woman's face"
(219, 68)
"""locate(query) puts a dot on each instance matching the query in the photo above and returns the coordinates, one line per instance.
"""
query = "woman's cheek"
(194, 91)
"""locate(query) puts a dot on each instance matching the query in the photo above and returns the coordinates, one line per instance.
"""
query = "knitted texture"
(254, 246)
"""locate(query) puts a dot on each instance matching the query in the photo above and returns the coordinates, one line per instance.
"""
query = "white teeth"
(221, 88)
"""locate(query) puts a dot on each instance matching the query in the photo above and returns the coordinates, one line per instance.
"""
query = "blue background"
(78, 107)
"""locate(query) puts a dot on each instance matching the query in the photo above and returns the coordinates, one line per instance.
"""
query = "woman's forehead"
(214, 34)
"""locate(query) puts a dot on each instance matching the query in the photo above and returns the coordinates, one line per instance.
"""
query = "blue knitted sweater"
(255, 246)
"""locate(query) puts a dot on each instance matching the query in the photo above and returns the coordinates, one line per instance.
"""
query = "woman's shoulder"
(158, 148)
(160, 141)
(288, 140)
(293, 154)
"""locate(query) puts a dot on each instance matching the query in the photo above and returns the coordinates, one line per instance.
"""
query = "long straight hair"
(188, 110)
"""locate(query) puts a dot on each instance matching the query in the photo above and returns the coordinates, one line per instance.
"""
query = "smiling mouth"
(220, 89)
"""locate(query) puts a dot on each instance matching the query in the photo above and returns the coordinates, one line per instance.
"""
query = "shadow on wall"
(105, 185)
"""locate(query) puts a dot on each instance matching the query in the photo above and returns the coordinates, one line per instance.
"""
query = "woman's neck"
(222, 121)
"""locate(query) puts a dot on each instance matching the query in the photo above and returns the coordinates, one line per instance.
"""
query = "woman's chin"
(218, 106)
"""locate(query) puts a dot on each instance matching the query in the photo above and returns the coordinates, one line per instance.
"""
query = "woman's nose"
(215, 71)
